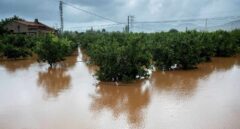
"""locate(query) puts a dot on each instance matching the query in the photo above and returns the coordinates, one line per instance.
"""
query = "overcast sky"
(47, 11)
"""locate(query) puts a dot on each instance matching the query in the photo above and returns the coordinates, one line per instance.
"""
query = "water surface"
(32, 96)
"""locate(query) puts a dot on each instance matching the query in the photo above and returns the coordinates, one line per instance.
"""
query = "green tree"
(206, 46)
(1, 49)
(225, 45)
(187, 50)
(126, 56)
(52, 49)
(11, 51)
(173, 30)
(120, 61)
(236, 35)
(15, 46)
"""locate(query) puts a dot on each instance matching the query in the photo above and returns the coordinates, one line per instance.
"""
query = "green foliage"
(72, 36)
(20, 46)
(163, 57)
(16, 46)
(224, 43)
(89, 38)
(125, 56)
(187, 50)
(173, 30)
(163, 51)
(11, 51)
(120, 61)
(176, 49)
(206, 46)
(236, 36)
(19, 40)
(53, 49)
(1, 49)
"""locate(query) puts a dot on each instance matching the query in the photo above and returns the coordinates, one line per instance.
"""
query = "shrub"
(236, 36)
(225, 45)
(1, 49)
(16, 46)
(176, 49)
(125, 56)
(163, 55)
(187, 50)
(53, 49)
(120, 61)
(11, 51)
(73, 37)
(173, 30)
(206, 46)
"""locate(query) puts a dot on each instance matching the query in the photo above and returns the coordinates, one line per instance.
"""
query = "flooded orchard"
(32, 96)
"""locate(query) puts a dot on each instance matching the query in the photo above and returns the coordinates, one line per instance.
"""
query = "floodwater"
(69, 97)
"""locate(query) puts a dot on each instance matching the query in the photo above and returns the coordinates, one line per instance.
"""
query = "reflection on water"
(14, 65)
(70, 62)
(54, 80)
(129, 100)
(219, 64)
(184, 82)
(207, 97)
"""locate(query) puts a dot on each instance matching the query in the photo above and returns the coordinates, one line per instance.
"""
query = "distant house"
(27, 27)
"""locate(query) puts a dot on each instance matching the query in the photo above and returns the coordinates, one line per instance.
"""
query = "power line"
(103, 25)
(189, 20)
(97, 27)
(140, 22)
(91, 13)
(165, 21)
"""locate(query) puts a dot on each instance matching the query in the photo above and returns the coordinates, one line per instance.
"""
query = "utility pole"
(61, 15)
(127, 28)
(130, 21)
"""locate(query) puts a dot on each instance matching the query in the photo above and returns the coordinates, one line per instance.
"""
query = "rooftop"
(34, 24)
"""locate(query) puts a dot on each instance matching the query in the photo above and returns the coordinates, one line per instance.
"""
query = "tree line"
(124, 56)
(48, 47)
(129, 56)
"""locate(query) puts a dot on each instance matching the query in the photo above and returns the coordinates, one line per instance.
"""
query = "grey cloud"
(144, 10)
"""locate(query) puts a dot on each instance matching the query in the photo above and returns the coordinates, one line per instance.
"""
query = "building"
(27, 27)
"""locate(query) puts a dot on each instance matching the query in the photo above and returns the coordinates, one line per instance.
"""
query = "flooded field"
(69, 97)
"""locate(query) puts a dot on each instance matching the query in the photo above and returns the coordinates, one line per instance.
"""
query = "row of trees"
(49, 48)
(129, 56)
(16, 46)
(125, 56)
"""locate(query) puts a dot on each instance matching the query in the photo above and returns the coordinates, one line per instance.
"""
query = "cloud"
(144, 10)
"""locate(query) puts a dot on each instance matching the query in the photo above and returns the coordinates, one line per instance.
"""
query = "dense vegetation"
(50, 48)
(128, 56)
(53, 49)
(124, 56)
(16, 46)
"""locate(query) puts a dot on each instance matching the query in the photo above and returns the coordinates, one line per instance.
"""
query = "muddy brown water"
(69, 97)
